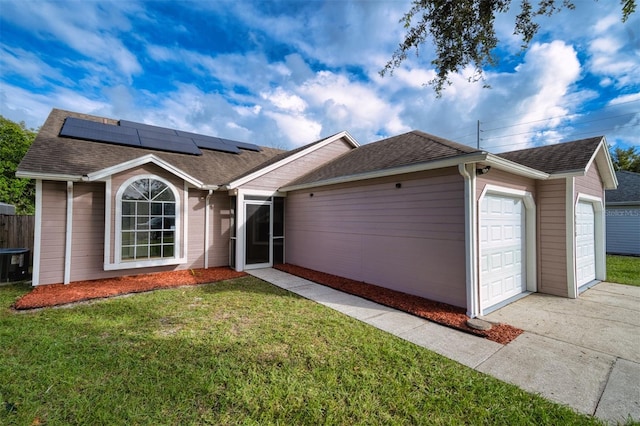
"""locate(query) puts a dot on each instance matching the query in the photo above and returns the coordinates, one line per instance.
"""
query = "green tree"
(626, 159)
(15, 140)
(463, 32)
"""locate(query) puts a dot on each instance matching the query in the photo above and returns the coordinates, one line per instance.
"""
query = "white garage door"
(585, 244)
(502, 249)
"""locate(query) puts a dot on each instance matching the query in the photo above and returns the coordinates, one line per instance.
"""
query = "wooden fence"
(17, 232)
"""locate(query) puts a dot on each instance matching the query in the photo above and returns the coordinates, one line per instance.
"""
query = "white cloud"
(287, 102)
(298, 129)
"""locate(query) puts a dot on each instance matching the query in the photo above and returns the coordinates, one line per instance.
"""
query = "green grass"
(623, 269)
(236, 352)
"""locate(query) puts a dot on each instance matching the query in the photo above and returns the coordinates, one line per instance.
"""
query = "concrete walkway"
(584, 355)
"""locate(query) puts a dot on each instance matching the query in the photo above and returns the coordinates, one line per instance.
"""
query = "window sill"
(143, 264)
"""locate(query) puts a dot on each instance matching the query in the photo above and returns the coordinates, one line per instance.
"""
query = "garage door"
(502, 249)
(585, 244)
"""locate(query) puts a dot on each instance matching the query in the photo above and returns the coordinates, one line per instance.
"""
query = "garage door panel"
(585, 243)
(501, 249)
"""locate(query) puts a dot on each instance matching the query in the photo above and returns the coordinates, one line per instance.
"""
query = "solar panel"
(170, 143)
(213, 144)
(91, 130)
(147, 127)
(130, 133)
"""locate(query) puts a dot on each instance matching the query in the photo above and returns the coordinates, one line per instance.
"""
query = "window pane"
(170, 223)
(155, 251)
(128, 223)
(155, 237)
(155, 223)
(142, 252)
(167, 237)
(128, 238)
(142, 186)
(132, 194)
(278, 217)
(156, 209)
(169, 209)
(128, 208)
(143, 208)
(167, 250)
(143, 222)
(127, 253)
(142, 237)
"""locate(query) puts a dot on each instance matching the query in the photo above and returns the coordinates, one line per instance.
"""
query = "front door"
(257, 235)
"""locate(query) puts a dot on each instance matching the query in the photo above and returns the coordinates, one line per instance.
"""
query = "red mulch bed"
(61, 294)
(441, 313)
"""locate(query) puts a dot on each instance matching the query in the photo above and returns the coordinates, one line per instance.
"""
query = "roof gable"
(398, 151)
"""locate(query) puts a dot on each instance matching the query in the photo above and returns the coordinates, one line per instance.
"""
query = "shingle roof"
(402, 150)
(55, 155)
(562, 157)
(628, 188)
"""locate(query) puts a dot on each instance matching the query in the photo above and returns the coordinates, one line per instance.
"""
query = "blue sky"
(286, 73)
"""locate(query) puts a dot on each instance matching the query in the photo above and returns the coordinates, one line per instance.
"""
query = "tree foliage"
(463, 32)
(15, 140)
(626, 159)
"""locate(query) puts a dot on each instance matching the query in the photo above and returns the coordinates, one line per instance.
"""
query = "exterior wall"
(87, 250)
(623, 229)
(52, 242)
(552, 242)
(590, 184)
(196, 238)
(219, 227)
(87, 247)
(504, 179)
(409, 239)
(293, 170)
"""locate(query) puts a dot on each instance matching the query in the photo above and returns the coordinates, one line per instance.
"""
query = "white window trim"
(179, 250)
(530, 233)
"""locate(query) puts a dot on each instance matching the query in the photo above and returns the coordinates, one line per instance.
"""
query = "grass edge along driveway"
(236, 352)
(623, 269)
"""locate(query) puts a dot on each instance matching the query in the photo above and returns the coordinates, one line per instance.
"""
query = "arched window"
(147, 221)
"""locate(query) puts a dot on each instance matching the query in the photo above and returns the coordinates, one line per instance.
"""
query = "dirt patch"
(441, 313)
(61, 294)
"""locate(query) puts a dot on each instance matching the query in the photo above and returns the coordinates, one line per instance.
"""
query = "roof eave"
(515, 168)
(49, 176)
(413, 168)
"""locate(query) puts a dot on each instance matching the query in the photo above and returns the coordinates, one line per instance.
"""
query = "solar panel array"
(139, 135)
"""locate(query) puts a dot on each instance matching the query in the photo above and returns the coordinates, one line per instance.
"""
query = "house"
(623, 215)
(414, 212)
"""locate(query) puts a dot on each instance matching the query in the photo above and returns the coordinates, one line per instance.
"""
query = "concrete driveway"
(582, 352)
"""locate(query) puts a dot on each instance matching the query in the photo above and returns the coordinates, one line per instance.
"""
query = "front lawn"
(236, 352)
(623, 269)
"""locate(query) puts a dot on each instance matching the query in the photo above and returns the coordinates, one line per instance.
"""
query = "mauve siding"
(54, 211)
(591, 183)
(303, 165)
(552, 231)
(196, 211)
(505, 180)
(87, 248)
(219, 230)
(409, 239)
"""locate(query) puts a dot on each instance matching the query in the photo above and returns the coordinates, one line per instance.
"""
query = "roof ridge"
(465, 149)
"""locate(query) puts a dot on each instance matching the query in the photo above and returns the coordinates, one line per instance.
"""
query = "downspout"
(470, 237)
(68, 234)
(206, 229)
(37, 238)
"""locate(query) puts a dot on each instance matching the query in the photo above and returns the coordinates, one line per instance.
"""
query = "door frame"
(240, 223)
(599, 243)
